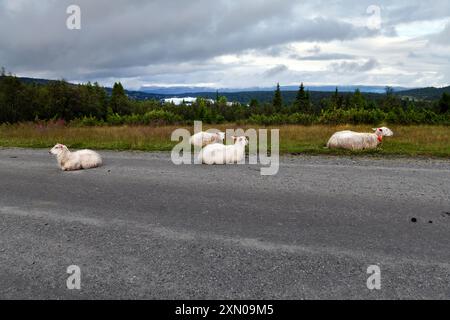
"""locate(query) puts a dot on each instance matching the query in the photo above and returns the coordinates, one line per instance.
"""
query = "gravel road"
(140, 227)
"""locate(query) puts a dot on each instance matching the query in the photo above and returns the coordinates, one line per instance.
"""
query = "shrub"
(302, 118)
(114, 119)
(161, 117)
(86, 121)
(352, 116)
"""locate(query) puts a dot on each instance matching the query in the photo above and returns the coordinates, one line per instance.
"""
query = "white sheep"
(83, 159)
(358, 141)
(202, 139)
(218, 153)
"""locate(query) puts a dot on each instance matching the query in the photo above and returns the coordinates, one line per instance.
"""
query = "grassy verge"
(431, 141)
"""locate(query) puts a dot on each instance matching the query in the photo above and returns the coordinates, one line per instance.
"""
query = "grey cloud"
(323, 57)
(345, 67)
(405, 11)
(178, 40)
(314, 53)
(275, 70)
(413, 55)
(121, 34)
(443, 37)
(314, 50)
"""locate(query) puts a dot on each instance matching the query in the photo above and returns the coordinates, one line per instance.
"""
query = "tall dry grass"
(408, 140)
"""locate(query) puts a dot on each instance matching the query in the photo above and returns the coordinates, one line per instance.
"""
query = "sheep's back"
(202, 139)
(88, 158)
(218, 153)
(353, 140)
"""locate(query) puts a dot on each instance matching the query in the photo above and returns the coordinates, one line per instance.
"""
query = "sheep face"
(57, 149)
(384, 132)
(221, 136)
(240, 140)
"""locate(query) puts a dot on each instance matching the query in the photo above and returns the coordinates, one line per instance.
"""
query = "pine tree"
(277, 99)
(301, 94)
(254, 105)
(358, 101)
(118, 91)
(444, 103)
(389, 91)
(302, 102)
(335, 99)
(119, 100)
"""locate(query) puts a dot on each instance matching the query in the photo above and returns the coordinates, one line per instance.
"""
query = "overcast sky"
(230, 43)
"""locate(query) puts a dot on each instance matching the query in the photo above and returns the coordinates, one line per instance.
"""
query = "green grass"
(430, 141)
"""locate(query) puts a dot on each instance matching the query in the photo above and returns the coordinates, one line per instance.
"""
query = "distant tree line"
(90, 104)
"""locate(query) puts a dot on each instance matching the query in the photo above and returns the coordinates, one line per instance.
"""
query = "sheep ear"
(234, 138)
(374, 129)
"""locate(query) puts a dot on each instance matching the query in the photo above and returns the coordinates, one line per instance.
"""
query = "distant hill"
(137, 95)
(35, 80)
(430, 93)
(179, 90)
(267, 96)
(264, 95)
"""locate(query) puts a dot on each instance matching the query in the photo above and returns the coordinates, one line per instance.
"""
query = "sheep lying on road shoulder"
(358, 141)
(83, 159)
(224, 154)
(202, 139)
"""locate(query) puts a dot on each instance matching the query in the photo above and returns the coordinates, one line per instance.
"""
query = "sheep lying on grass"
(202, 139)
(358, 141)
(83, 159)
(218, 153)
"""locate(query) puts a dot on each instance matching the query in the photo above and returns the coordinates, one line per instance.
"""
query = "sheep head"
(240, 140)
(383, 132)
(58, 148)
(221, 136)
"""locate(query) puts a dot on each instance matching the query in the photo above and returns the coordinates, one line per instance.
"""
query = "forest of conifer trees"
(91, 104)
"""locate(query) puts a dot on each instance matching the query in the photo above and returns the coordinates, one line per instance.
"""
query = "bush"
(161, 117)
(86, 121)
(261, 119)
(132, 119)
(302, 118)
(152, 117)
(114, 119)
(352, 116)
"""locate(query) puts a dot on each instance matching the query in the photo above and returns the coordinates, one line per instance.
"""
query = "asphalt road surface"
(140, 227)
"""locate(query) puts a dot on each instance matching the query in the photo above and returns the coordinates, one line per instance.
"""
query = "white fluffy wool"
(358, 141)
(83, 159)
(202, 139)
(218, 153)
